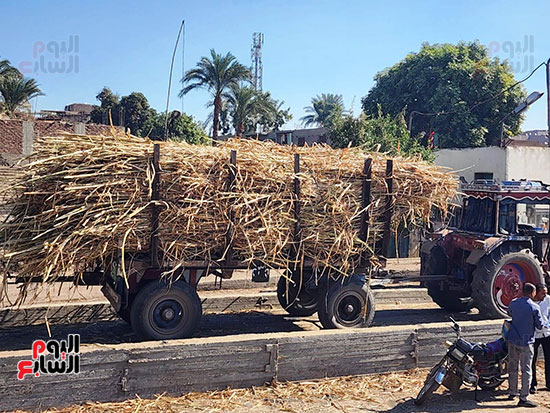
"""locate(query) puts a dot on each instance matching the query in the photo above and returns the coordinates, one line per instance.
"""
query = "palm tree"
(241, 104)
(216, 74)
(16, 91)
(7, 69)
(324, 109)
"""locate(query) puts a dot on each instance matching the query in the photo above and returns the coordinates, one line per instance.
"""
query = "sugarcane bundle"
(82, 199)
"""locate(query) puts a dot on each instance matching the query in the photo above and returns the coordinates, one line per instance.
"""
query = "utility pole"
(548, 99)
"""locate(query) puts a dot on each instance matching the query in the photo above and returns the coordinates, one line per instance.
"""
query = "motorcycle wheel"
(430, 385)
(490, 384)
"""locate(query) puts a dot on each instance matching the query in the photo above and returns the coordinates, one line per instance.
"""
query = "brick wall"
(51, 127)
(96, 129)
(16, 138)
(11, 136)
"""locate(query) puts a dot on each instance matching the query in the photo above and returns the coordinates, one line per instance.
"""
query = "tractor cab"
(510, 211)
(500, 241)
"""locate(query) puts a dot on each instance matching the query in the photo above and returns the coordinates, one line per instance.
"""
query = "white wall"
(513, 162)
(528, 162)
(465, 162)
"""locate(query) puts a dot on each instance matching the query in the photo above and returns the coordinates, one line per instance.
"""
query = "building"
(75, 112)
(525, 156)
(299, 137)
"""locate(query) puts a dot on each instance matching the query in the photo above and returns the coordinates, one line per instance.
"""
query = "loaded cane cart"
(147, 221)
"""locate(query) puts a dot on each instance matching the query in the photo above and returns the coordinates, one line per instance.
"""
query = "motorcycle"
(474, 365)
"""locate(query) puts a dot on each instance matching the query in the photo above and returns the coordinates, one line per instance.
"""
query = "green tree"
(109, 103)
(455, 90)
(324, 110)
(181, 127)
(251, 110)
(216, 74)
(242, 105)
(7, 69)
(135, 110)
(16, 91)
(380, 133)
(270, 114)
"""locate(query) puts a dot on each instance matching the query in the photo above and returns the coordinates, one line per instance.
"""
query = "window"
(479, 215)
(486, 176)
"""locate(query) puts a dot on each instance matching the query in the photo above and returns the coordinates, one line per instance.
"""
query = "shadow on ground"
(462, 401)
(118, 331)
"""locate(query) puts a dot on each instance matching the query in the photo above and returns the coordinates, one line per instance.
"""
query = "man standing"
(526, 318)
(542, 337)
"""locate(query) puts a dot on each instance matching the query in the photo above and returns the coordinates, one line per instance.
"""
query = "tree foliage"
(325, 109)
(252, 110)
(216, 74)
(134, 112)
(109, 104)
(15, 90)
(447, 82)
(380, 133)
(181, 127)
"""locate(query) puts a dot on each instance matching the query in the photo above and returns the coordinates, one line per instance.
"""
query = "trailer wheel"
(348, 305)
(295, 301)
(125, 314)
(161, 311)
(499, 278)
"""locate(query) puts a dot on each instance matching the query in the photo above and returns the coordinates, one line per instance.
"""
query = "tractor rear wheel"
(455, 300)
(499, 278)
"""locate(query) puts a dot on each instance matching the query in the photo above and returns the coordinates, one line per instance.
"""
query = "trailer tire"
(161, 311)
(297, 303)
(499, 278)
(349, 305)
(440, 291)
(126, 314)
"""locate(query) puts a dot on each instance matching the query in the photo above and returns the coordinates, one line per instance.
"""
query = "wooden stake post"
(297, 206)
(388, 212)
(231, 230)
(365, 202)
(155, 196)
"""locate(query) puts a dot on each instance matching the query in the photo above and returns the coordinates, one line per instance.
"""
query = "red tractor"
(500, 242)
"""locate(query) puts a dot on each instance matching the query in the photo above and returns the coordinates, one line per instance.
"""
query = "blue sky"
(311, 46)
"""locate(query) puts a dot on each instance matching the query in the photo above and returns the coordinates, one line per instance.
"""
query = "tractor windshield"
(479, 215)
(525, 216)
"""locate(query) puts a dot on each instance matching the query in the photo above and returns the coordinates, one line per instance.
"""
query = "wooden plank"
(122, 370)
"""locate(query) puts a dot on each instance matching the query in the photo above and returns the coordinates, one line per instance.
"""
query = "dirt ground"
(384, 393)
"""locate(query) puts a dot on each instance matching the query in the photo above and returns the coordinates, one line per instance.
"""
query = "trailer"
(160, 307)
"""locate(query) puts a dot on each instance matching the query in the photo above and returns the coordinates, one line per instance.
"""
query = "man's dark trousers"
(545, 344)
